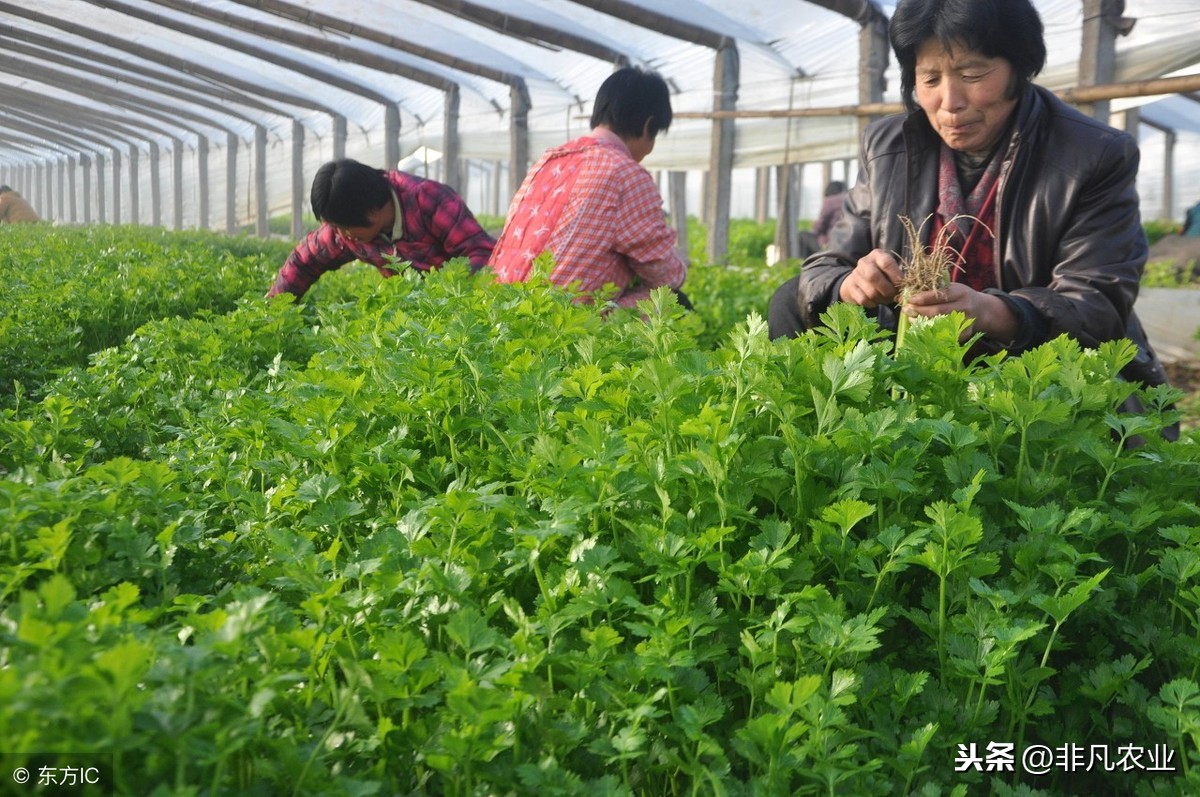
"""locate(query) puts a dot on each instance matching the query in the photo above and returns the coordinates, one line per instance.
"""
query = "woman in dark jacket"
(1049, 236)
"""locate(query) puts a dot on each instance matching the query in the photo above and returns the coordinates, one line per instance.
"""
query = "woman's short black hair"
(1008, 29)
(4, 189)
(345, 191)
(631, 97)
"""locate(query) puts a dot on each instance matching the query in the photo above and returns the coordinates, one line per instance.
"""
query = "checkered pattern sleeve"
(441, 217)
(643, 236)
(601, 215)
(319, 251)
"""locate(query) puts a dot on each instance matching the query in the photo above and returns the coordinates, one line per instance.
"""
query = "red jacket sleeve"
(318, 252)
(451, 222)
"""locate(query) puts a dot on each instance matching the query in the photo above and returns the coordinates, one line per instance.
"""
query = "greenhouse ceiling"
(306, 80)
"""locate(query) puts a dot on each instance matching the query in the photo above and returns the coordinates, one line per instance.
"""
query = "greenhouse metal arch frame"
(245, 98)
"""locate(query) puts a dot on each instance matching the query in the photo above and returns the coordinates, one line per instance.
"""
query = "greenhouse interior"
(452, 534)
(215, 114)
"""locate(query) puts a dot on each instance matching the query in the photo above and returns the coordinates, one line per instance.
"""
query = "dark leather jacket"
(1069, 240)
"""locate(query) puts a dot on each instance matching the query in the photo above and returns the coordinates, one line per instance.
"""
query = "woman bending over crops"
(594, 207)
(1047, 236)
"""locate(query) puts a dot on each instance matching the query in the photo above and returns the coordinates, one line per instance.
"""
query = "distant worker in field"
(1040, 200)
(831, 211)
(382, 218)
(813, 241)
(14, 209)
(1191, 222)
(592, 204)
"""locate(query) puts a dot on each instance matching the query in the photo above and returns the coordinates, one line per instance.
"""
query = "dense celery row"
(440, 536)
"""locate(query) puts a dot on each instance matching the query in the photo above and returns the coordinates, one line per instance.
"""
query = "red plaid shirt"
(600, 213)
(436, 225)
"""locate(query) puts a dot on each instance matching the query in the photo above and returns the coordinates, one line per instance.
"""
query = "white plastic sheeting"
(86, 78)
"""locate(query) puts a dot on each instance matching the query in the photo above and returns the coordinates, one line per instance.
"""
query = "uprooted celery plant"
(440, 536)
(927, 268)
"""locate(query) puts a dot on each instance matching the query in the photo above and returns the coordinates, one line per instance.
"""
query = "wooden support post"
(518, 161)
(297, 228)
(339, 137)
(391, 135)
(454, 176)
(762, 194)
(1170, 139)
(155, 157)
(231, 151)
(1168, 193)
(72, 166)
(177, 168)
(133, 185)
(1102, 22)
(873, 50)
(48, 171)
(787, 192)
(262, 226)
(677, 199)
(202, 221)
(725, 89)
(62, 168)
(497, 166)
(85, 164)
(101, 215)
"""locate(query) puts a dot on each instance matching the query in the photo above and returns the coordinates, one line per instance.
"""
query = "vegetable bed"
(445, 537)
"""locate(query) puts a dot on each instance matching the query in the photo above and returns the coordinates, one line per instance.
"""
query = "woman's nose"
(953, 96)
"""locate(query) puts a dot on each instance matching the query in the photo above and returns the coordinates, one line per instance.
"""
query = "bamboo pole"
(1108, 91)
(1137, 88)
(865, 109)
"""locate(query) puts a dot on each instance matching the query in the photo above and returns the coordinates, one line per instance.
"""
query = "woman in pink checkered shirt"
(594, 207)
